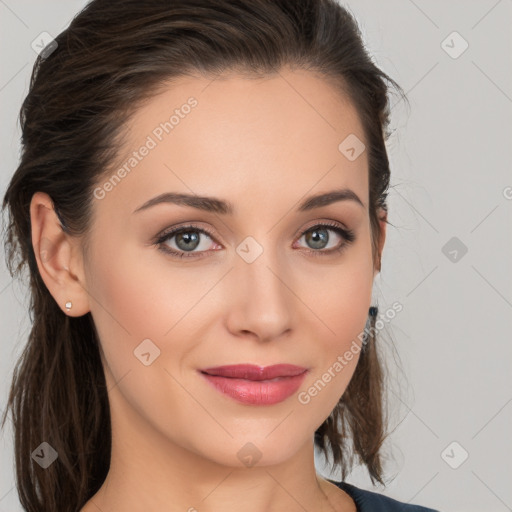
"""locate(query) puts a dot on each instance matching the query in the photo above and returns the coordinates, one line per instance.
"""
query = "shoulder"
(369, 501)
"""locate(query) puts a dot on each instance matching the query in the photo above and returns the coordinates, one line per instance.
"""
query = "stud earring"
(69, 305)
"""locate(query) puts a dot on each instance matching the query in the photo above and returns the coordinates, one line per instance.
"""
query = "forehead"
(277, 136)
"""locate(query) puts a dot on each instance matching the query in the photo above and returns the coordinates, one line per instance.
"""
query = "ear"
(58, 257)
(383, 216)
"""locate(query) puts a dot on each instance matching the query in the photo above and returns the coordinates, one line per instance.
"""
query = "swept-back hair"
(115, 55)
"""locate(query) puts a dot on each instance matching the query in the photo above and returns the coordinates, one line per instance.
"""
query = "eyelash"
(347, 234)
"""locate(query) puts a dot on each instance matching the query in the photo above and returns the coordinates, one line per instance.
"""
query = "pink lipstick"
(256, 385)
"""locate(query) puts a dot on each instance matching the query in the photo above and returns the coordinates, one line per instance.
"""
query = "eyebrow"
(214, 205)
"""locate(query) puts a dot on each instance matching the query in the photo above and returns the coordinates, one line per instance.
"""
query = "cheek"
(346, 310)
(336, 357)
(340, 301)
(137, 302)
(138, 296)
(342, 295)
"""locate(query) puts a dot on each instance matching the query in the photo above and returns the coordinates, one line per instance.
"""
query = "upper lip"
(254, 372)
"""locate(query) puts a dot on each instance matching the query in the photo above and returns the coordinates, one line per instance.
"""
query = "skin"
(272, 142)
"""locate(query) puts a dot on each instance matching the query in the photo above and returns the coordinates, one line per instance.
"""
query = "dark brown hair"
(114, 55)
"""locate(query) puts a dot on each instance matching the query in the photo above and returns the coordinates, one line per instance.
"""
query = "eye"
(188, 239)
(318, 238)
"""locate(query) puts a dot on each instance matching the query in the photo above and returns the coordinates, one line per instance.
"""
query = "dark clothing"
(369, 501)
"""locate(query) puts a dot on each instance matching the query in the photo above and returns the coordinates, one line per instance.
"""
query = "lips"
(256, 385)
(252, 372)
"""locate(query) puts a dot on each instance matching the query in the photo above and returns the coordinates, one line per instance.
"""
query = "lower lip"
(263, 392)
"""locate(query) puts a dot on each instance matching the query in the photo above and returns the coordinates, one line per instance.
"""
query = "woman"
(201, 203)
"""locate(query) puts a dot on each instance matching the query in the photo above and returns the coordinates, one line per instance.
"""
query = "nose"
(261, 302)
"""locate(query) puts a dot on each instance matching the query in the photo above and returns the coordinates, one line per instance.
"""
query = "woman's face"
(259, 286)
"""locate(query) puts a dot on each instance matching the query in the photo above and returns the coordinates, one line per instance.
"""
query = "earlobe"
(58, 260)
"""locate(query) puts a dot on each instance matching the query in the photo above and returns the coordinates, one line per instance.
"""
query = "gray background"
(450, 156)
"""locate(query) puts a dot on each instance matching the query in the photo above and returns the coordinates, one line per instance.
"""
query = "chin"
(247, 451)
